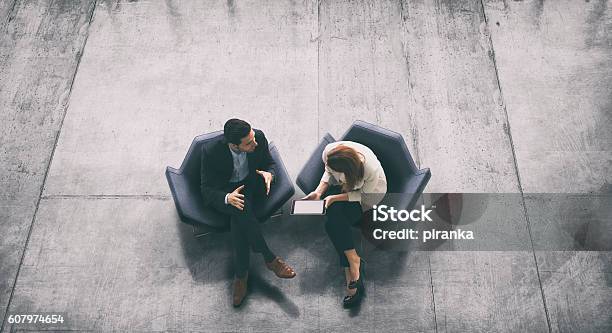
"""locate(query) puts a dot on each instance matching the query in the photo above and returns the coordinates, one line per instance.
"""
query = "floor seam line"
(413, 128)
(318, 68)
(106, 196)
(516, 169)
(10, 14)
(433, 296)
(42, 187)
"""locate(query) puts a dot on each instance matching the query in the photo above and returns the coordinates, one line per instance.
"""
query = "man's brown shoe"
(240, 290)
(280, 268)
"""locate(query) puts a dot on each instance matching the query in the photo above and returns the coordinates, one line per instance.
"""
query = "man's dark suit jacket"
(217, 167)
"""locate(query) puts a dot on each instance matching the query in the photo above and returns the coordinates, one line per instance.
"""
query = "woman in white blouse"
(357, 182)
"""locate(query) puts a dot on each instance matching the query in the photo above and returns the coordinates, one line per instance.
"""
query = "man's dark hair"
(235, 129)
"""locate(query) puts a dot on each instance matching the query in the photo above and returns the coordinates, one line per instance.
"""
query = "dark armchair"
(185, 187)
(402, 174)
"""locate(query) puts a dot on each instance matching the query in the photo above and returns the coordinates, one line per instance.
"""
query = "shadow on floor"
(258, 285)
(209, 258)
(303, 242)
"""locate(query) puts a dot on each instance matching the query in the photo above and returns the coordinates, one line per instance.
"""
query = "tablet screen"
(308, 207)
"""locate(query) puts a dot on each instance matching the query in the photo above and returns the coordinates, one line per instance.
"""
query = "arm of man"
(268, 163)
(212, 194)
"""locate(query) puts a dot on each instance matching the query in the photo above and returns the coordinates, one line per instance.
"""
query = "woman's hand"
(314, 195)
(330, 199)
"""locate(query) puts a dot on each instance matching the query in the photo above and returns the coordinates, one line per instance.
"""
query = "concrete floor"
(97, 97)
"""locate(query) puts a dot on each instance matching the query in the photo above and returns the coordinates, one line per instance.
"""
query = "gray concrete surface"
(98, 97)
(555, 57)
(40, 47)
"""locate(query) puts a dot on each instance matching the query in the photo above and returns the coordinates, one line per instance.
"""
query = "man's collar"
(235, 152)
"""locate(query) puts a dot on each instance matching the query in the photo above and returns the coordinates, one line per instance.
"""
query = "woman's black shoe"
(355, 284)
(352, 300)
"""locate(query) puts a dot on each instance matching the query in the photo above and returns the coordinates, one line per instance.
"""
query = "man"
(236, 176)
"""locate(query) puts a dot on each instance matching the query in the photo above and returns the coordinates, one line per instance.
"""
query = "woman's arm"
(323, 186)
(324, 183)
(330, 199)
(318, 192)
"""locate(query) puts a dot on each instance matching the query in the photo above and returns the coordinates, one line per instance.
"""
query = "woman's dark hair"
(235, 129)
(346, 160)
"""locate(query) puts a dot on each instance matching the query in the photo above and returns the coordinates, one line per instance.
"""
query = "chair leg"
(277, 213)
(198, 234)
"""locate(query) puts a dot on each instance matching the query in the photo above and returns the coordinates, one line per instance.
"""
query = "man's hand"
(267, 179)
(314, 195)
(236, 199)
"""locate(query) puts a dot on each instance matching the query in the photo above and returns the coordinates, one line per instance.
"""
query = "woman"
(352, 170)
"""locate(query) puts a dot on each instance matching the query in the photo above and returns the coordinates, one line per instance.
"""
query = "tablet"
(308, 207)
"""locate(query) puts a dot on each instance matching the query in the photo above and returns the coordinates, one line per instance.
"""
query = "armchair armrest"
(311, 173)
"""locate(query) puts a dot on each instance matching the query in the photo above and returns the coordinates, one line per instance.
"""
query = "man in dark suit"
(236, 176)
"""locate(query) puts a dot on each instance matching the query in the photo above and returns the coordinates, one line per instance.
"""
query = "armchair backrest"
(191, 164)
(390, 149)
(310, 175)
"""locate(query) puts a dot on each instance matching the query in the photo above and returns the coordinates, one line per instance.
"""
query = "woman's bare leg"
(354, 263)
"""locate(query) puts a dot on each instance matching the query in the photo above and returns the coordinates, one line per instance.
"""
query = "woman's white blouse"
(374, 180)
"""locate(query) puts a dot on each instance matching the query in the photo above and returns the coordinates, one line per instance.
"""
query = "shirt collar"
(236, 154)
